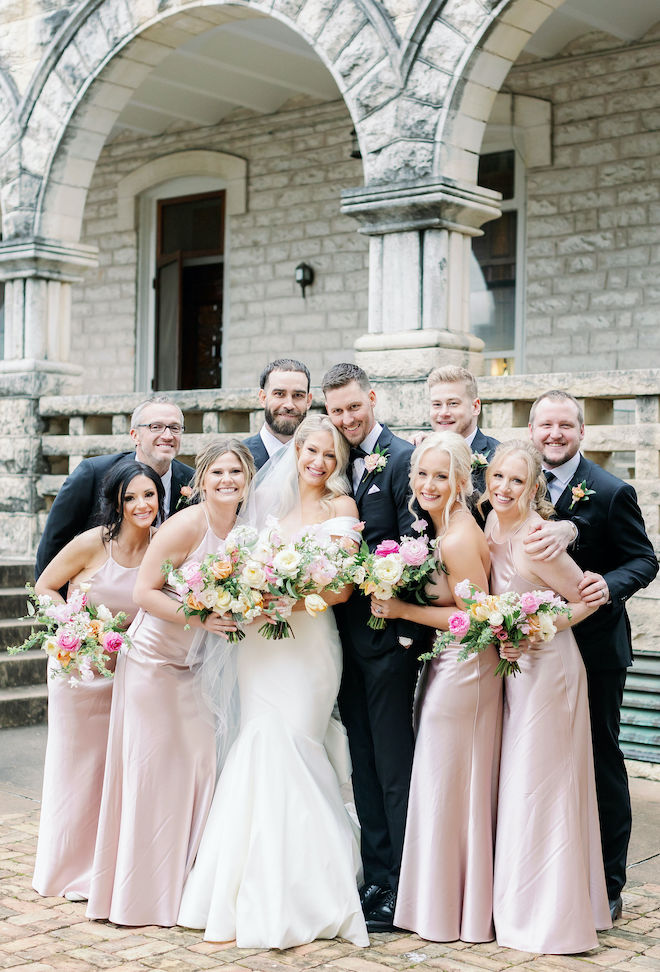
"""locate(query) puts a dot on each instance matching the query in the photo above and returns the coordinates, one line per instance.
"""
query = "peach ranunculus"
(96, 626)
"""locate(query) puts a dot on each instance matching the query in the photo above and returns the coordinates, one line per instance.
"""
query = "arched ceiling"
(625, 20)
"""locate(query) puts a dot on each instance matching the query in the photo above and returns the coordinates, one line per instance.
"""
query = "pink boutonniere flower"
(581, 494)
(375, 462)
(479, 460)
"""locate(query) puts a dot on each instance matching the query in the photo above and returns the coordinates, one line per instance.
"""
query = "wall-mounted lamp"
(355, 145)
(304, 276)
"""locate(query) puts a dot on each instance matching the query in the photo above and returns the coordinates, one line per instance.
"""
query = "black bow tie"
(357, 452)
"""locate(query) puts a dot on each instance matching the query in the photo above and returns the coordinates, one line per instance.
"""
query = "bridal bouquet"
(78, 636)
(289, 570)
(396, 567)
(218, 583)
(491, 619)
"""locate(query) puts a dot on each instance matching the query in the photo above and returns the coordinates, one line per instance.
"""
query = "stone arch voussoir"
(87, 77)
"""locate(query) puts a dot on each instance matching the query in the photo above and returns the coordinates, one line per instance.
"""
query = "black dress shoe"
(369, 895)
(616, 907)
(381, 917)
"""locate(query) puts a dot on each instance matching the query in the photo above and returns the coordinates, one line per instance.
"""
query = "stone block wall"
(298, 162)
(593, 217)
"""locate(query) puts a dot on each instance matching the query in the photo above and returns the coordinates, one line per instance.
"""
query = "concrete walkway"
(42, 934)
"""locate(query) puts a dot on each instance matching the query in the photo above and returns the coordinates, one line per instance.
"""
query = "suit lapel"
(384, 440)
(582, 472)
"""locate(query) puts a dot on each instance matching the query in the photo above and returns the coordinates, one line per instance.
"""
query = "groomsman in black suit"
(380, 667)
(455, 406)
(618, 559)
(285, 396)
(156, 429)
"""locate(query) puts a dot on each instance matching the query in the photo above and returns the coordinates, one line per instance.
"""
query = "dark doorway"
(189, 292)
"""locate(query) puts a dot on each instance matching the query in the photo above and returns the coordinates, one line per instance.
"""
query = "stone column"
(38, 275)
(419, 286)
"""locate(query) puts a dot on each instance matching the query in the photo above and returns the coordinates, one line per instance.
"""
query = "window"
(495, 291)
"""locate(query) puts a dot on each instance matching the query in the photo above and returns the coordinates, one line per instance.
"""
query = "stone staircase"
(23, 693)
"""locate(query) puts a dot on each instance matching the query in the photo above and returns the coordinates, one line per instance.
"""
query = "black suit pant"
(614, 811)
(375, 701)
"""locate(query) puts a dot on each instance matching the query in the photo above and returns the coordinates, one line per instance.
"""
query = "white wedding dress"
(279, 859)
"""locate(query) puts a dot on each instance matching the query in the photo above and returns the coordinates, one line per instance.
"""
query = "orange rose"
(534, 626)
(96, 626)
(221, 569)
(192, 603)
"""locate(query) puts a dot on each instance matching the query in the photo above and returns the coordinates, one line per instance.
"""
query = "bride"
(279, 858)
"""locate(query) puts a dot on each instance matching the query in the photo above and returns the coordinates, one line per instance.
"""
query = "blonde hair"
(460, 469)
(337, 482)
(530, 499)
(452, 375)
(216, 448)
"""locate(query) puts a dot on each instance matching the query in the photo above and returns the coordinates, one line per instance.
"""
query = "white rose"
(388, 569)
(208, 597)
(359, 575)
(495, 619)
(383, 592)
(547, 629)
(286, 562)
(253, 576)
(103, 613)
(262, 551)
(222, 601)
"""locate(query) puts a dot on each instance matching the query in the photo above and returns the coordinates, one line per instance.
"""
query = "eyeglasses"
(159, 427)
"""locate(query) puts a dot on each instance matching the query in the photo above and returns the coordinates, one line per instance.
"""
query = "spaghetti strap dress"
(446, 884)
(160, 774)
(78, 720)
(549, 889)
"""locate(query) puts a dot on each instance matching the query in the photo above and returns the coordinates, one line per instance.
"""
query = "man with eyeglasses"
(156, 429)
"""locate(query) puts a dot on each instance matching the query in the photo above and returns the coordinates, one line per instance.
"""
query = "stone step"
(16, 573)
(25, 705)
(13, 632)
(13, 602)
(28, 668)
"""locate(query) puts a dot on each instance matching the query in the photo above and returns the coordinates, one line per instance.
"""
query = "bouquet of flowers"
(395, 567)
(491, 619)
(77, 635)
(218, 583)
(286, 571)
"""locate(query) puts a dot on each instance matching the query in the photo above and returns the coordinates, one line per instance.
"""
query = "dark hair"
(284, 364)
(343, 373)
(113, 492)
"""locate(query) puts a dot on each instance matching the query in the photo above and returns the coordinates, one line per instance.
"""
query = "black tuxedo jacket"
(76, 503)
(382, 501)
(259, 452)
(612, 541)
(486, 445)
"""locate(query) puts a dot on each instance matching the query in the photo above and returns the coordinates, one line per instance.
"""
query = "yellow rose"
(314, 604)
(222, 601)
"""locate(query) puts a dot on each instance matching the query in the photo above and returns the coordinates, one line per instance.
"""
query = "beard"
(283, 424)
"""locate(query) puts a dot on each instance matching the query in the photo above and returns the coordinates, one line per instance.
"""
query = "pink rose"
(386, 548)
(322, 571)
(529, 602)
(67, 640)
(371, 462)
(414, 552)
(193, 576)
(459, 624)
(112, 641)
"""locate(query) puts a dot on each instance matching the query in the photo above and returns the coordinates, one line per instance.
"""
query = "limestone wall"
(298, 161)
(593, 217)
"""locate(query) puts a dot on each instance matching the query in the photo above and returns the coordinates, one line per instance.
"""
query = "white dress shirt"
(271, 442)
(367, 444)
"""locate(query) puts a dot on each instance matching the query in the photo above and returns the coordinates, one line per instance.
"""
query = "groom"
(379, 675)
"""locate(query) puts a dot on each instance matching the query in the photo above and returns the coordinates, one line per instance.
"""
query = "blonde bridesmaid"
(161, 762)
(446, 883)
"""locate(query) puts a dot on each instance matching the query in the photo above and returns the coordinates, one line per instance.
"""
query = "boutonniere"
(184, 498)
(580, 493)
(479, 460)
(375, 462)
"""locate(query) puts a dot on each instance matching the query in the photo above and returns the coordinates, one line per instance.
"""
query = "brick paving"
(44, 934)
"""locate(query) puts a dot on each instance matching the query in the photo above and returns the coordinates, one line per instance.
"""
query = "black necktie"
(549, 476)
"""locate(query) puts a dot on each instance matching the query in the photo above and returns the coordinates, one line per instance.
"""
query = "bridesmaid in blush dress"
(161, 760)
(549, 890)
(106, 559)
(445, 888)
